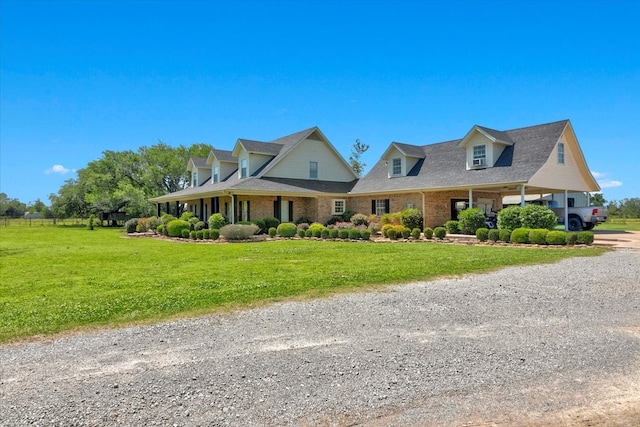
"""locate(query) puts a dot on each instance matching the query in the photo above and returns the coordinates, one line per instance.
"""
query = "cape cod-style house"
(303, 175)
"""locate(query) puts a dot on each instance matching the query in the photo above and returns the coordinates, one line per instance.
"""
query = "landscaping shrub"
(200, 234)
(391, 233)
(306, 233)
(185, 232)
(167, 218)
(186, 216)
(415, 233)
(273, 231)
(333, 233)
(144, 225)
(452, 227)
(206, 234)
(303, 220)
(509, 218)
(520, 235)
(324, 233)
(303, 226)
(130, 226)
(346, 216)
(193, 235)
(482, 234)
(286, 229)
(469, 220)
(262, 228)
(505, 235)
(175, 227)
(240, 231)
(386, 228)
(538, 236)
(332, 220)
(412, 218)
(217, 221)
(440, 232)
(160, 229)
(572, 238)
(494, 235)
(354, 233)
(343, 233)
(428, 233)
(365, 234)
(192, 222)
(302, 233)
(585, 237)
(392, 218)
(556, 237)
(374, 227)
(406, 232)
(317, 232)
(271, 221)
(214, 234)
(316, 227)
(359, 219)
(92, 221)
(200, 225)
(536, 216)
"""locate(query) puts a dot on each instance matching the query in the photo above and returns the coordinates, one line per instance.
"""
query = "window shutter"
(290, 210)
(373, 206)
(386, 206)
(248, 210)
(276, 213)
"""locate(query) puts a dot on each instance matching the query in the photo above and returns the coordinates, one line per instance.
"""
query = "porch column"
(233, 209)
(566, 210)
(158, 209)
(470, 198)
(177, 209)
(522, 196)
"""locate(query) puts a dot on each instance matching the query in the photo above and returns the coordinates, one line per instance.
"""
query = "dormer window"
(194, 178)
(243, 168)
(313, 170)
(479, 155)
(216, 174)
(396, 166)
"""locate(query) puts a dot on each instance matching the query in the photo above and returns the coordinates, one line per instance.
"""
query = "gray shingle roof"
(199, 162)
(224, 155)
(444, 164)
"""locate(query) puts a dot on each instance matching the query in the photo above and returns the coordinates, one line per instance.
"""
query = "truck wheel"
(575, 224)
(588, 226)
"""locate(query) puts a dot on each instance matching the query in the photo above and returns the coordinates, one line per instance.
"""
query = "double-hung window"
(313, 170)
(216, 174)
(194, 178)
(338, 207)
(243, 168)
(396, 166)
(560, 153)
(479, 155)
(380, 207)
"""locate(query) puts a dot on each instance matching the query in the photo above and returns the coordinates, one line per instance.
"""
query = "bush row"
(537, 236)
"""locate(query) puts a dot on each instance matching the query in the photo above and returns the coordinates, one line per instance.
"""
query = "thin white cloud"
(605, 182)
(59, 169)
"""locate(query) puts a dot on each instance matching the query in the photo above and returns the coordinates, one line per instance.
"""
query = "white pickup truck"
(582, 218)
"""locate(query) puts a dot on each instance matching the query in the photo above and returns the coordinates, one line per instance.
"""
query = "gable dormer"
(253, 155)
(222, 164)
(401, 158)
(484, 146)
(199, 171)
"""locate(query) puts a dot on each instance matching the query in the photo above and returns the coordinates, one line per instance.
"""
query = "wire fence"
(41, 222)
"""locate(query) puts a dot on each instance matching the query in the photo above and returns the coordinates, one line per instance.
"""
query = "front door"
(458, 205)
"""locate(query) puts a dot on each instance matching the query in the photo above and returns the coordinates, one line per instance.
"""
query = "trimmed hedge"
(273, 231)
(505, 235)
(494, 235)
(440, 232)
(239, 231)
(176, 226)
(482, 234)
(428, 233)
(585, 237)
(286, 229)
(452, 227)
(520, 235)
(217, 221)
(415, 233)
(469, 220)
(556, 237)
(538, 236)
(572, 238)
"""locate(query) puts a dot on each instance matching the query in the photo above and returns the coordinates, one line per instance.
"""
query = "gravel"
(543, 344)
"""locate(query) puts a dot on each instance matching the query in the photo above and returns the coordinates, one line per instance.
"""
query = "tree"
(11, 207)
(356, 164)
(597, 199)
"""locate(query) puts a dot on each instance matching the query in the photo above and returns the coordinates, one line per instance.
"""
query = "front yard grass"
(56, 279)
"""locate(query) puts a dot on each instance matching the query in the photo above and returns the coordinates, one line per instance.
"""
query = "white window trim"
(216, 174)
(194, 178)
(482, 157)
(381, 207)
(335, 202)
(561, 157)
(244, 169)
(311, 170)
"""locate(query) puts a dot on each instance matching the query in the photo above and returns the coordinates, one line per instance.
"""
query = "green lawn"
(57, 279)
(620, 224)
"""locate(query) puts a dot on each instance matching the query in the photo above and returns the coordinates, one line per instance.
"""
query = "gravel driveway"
(539, 345)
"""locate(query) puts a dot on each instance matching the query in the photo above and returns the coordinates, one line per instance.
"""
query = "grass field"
(620, 224)
(56, 279)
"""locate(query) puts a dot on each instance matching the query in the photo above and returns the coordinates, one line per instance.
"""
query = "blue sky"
(81, 77)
